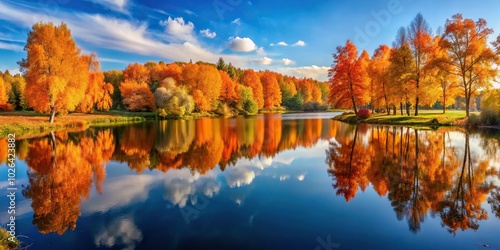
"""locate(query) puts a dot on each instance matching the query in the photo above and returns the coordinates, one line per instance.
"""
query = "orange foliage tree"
(469, 56)
(98, 93)
(56, 75)
(252, 80)
(4, 105)
(229, 89)
(271, 90)
(348, 78)
(137, 96)
(204, 82)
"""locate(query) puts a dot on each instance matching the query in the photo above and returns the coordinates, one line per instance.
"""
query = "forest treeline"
(58, 78)
(420, 69)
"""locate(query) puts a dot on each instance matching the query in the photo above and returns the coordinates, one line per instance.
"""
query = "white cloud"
(236, 21)
(284, 44)
(112, 60)
(244, 44)
(118, 5)
(178, 30)
(208, 33)
(264, 61)
(122, 231)
(189, 12)
(287, 61)
(10, 46)
(299, 43)
(316, 72)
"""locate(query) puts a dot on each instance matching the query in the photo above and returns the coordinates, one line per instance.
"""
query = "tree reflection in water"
(421, 172)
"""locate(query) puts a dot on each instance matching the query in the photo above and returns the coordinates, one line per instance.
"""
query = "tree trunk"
(407, 108)
(444, 100)
(401, 106)
(418, 97)
(467, 105)
(53, 113)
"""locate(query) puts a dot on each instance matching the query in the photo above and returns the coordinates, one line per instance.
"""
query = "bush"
(174, 101)
(6, 107)
(473, 120)
(363, 113)
(323, 107)
(310, 106)
(490, 108)
(250, 107)
(293, 103)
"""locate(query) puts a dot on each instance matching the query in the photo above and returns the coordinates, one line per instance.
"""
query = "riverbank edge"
(431, 122)
(24, 124)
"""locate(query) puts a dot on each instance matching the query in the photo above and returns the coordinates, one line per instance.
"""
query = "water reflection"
(447, 173)
(420, 171)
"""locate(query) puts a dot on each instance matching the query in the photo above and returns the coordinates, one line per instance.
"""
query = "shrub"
(363, 113)
(323, 107)
(490, 108)
(310, 106)
(473, 120)
(293, 103)
(6, 107)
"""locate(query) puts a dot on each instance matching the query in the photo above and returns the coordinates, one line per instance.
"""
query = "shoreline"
(28, 123)
(426, 119)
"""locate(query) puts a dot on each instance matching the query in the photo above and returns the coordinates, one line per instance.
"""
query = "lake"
(294, 181)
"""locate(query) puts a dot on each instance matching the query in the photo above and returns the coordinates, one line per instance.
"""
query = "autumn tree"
(136, 96)
(348, 78)
(469, 56)
(401, 68)
(420, 44)
(115, 77)
(271, 90)
(378, 70)
(98, 93)
(204, 83)
(229, 89)
(56, 75)
(252, 80)
(441, 74)
(136, 72)
(4, 105)
(172, 100)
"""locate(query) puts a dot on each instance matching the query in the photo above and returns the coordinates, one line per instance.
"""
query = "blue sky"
(291, 37)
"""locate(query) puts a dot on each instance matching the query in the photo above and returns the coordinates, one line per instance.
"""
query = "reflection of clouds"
(181, 186)
(239, 176)
(119, 232)
(284, 177)
(301, 177)
(119, 192)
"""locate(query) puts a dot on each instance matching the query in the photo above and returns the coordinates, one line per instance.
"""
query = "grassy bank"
(426, 118)
(26, 123)
(5, 243)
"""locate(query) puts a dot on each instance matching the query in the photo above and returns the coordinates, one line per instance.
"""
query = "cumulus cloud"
(264, 61)
(244, 44)
(236, 21)
(299, 43)
(178, 30)
(287, 61)
(121, 232)
(316, 72)
(208, 33)
(282, 43)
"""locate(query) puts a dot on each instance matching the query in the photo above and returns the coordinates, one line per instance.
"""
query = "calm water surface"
(265, 182)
